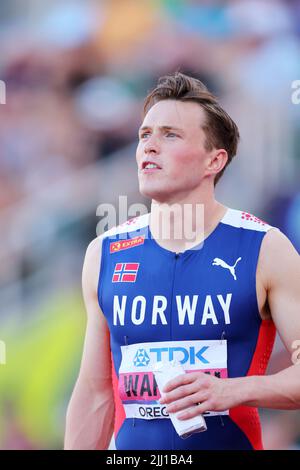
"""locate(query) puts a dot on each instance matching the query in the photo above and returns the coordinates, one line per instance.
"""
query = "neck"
(181, 224)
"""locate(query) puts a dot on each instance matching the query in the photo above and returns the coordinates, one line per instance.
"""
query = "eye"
(144, 134)
(171, 134)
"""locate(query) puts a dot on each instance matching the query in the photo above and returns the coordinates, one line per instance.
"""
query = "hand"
(206, 391)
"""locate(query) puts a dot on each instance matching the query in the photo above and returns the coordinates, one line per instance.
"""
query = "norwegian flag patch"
(125, 272)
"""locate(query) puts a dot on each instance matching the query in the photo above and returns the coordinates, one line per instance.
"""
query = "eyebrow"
(163, 128)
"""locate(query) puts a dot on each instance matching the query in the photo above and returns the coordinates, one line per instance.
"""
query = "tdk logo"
(181, 354)
(141, 358)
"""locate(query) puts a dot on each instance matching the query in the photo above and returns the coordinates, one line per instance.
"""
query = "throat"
(179, 234)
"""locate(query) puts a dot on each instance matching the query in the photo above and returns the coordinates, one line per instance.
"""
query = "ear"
(216, 162)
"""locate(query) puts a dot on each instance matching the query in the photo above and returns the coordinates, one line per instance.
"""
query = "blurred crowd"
(76, 73)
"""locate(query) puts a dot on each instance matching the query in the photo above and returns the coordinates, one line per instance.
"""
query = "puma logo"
(223, 264)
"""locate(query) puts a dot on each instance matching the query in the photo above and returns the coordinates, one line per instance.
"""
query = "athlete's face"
(172, 137)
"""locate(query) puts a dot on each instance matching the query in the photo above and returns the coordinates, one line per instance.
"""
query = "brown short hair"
(220, 130)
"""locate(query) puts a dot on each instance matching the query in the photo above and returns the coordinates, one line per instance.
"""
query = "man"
(212, 302)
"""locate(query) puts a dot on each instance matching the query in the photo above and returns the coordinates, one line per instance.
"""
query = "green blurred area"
(42, 361)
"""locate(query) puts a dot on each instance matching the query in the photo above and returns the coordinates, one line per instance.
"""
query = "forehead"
(185, 115)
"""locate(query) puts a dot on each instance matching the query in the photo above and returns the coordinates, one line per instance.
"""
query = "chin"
(158, 194)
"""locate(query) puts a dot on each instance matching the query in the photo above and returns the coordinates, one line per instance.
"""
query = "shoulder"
(279, 260)
(131, 225)
(276, 246)
(276, 240)
(94, 249)
(93, 255)
(91, 265)
(245, 220)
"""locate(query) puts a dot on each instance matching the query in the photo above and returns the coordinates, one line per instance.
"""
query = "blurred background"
(76, 73)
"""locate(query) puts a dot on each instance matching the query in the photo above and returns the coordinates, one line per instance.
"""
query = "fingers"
(179, 392)
(195, 410)
(208, 404)
(184, 385)
(186, 402)
(181, 380)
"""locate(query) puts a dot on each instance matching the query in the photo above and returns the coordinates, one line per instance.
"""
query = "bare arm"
(90, 414)
(281, 268)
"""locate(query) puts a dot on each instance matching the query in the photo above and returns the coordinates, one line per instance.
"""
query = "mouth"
(149, 167)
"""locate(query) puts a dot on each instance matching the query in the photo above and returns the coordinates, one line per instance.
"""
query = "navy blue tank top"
(198, 307)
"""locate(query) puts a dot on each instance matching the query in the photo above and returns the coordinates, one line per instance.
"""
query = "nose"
(152, 145)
